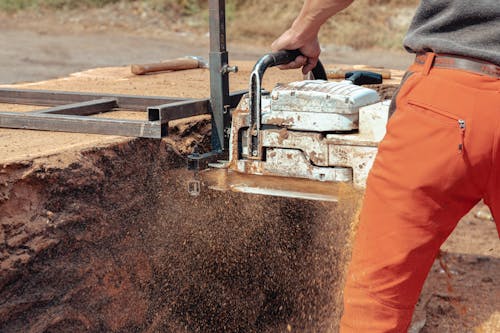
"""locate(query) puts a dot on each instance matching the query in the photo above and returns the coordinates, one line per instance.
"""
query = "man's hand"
(310, 49)
(303, 34)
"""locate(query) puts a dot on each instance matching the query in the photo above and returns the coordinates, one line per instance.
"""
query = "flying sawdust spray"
(234, 262)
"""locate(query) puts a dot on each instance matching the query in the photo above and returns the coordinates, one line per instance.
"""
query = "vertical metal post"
(219, 81)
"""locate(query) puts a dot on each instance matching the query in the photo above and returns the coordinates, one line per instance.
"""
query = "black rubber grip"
(284, 57)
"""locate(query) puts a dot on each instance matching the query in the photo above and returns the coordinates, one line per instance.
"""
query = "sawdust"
(235, 262)
(113, 242)
(19, 108)
(115, 245)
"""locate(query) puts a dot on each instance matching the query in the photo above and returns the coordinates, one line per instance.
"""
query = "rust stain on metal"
(282, 135)
(281, 121)
(314, 156)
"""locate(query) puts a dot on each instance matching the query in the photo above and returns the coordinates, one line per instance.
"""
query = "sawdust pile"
(114, 243)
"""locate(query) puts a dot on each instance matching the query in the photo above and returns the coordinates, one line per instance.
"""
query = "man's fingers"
(310, 50)
(300, 61)
(275, 46)
(309, 66)
(309, 47)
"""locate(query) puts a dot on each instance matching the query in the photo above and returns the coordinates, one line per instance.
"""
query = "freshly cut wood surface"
(18, 145)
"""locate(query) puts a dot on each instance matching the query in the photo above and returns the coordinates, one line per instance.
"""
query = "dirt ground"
(460, 295)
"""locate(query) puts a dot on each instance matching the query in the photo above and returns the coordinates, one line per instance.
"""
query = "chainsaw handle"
(255, 93)
(284, 57)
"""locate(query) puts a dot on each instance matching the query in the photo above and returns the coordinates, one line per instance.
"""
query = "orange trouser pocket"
(433, 166)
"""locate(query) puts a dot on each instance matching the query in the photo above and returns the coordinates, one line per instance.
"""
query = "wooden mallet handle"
(168, 65)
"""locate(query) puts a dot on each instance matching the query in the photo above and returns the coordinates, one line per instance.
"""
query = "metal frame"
(73, 111)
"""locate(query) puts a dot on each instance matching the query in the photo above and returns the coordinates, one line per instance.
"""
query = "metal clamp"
(226, 69)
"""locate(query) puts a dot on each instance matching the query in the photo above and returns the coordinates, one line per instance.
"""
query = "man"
(440, 156)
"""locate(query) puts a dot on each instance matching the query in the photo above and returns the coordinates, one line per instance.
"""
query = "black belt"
(458, 62)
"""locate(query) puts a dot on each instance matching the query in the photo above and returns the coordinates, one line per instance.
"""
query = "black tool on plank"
(360, 78)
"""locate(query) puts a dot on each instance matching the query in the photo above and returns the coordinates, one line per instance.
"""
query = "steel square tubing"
(219, 78)
(171, 111)
(54, 98)
(72, 117)
(178, 110)
(82, 124)
(83, 108)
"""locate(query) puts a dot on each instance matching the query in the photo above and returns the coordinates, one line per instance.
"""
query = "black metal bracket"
(197, 161)
(221, 102)
(220, 99)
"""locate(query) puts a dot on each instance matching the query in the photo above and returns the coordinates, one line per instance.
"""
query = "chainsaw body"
(302, 132)
(318, 130)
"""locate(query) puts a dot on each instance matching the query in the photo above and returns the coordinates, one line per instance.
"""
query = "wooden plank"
(83, 108)
(82, 124)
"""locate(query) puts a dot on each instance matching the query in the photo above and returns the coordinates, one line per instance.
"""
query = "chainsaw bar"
(227, 180)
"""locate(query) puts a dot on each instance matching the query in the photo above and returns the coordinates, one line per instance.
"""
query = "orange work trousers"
(440, 156)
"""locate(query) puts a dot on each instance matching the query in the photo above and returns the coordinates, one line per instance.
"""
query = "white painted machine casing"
(318, 130)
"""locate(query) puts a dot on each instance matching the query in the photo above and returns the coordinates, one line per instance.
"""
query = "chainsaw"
(299, 140)
(315, 130)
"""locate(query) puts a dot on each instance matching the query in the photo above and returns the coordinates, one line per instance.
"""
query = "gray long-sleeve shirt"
(460, 27)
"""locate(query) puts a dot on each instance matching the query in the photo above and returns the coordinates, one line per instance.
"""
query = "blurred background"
(42, 39)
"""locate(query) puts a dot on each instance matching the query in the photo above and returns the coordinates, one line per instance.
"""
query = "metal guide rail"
(73, 111)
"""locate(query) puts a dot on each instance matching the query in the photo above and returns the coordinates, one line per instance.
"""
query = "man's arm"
(303, 34)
